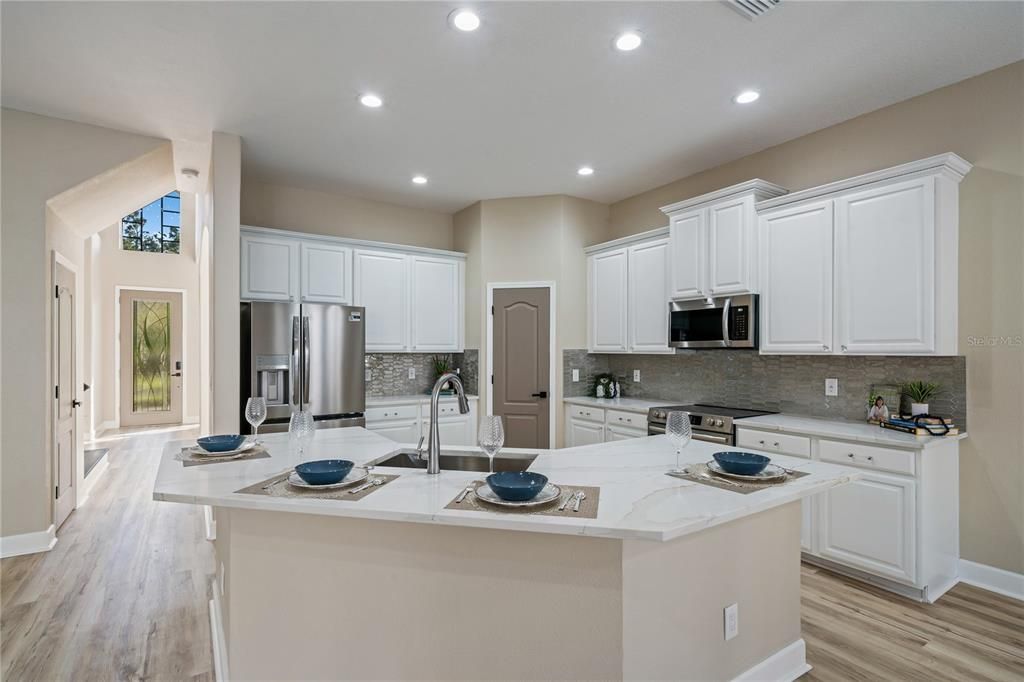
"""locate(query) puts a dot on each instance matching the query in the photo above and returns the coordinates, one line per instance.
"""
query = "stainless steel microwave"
(727, 322)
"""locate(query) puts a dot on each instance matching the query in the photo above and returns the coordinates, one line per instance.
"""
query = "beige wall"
(225, 336)
(110, 267)
(530, 239)
(41, 157)
(981, 119)
(303, 210)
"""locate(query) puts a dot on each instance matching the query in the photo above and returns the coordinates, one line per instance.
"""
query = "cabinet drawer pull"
(850, 455)
(824, 347)
(761, 442)
(871, 458)
(776, 444)
(844, 348)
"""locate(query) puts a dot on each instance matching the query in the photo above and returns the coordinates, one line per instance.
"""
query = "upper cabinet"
(414, 297)
(892, 236)
(627, 295)
(713, 241)
(269, 268)
(326, 273)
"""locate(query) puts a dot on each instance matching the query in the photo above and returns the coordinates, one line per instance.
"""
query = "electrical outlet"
(636, 376)
(732, 621)
(575, 375)
(831, 387)
(412, 372)
(369, 374)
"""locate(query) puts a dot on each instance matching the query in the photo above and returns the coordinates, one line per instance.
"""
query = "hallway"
(124, 593)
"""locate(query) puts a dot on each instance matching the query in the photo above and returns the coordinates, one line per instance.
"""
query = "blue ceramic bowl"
(517, 486)
(323, 471)
(742, 463)
(221, 443)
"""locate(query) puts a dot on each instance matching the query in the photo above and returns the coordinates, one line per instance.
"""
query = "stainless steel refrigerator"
(308, 357)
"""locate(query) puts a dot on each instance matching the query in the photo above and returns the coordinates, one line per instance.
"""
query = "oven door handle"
(655, 429)
(712, 438)
(725, 323)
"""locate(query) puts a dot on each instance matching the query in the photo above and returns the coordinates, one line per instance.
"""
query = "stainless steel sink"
(456, 461)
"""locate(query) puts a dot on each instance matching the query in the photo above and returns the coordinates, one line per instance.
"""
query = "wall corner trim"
(28, 543)
(998, 580)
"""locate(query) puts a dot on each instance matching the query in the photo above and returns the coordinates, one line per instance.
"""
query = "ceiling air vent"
(752, 9)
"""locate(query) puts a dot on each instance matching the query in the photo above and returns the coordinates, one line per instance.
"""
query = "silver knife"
(371, 482)
(579, 498)
(568, 500)
(463, 494)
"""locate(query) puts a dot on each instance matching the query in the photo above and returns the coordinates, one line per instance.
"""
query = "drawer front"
(448, 409)
(770, 441)
(867, 456)
(627, 419)
(593, 414)
(377, 414)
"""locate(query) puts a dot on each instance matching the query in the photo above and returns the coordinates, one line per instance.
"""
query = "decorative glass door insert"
(151, 367)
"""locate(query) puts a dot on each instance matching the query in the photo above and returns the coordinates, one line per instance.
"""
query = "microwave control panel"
(739, 319)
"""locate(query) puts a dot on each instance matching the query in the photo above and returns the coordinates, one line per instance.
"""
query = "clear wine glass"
(678, 430)
(301, 430)
(255, 414)
(491, 437)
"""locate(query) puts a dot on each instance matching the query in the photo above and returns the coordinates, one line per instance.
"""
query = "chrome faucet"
(433, 453)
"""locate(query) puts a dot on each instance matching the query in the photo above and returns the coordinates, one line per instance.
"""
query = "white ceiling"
(510, 110)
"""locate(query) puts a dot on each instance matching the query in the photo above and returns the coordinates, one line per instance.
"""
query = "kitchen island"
(395, 585)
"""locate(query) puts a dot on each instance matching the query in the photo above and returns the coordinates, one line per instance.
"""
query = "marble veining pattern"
(790, 383)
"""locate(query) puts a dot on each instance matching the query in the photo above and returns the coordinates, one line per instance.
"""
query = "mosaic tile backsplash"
(389, 372)
(781, 383)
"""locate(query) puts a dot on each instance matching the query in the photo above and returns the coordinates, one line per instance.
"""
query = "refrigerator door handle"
(296, 374)
(305, 360)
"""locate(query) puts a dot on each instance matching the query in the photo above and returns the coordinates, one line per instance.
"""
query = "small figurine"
(600, 390)
(878, 412)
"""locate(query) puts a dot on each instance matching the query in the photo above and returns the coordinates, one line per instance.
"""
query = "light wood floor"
(124, 595)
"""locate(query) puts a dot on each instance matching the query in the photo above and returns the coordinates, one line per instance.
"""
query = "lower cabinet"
(613, 433)
(593, 425)
(580, 432)
(408, 422)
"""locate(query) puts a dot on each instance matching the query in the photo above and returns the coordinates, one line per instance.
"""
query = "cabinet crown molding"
(762, 190)
(354, 243)
(637, 238)
(949, 164)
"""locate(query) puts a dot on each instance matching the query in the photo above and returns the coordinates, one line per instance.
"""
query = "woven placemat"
(588, 508)
(699, 473)
(277, 486)
(190, 459)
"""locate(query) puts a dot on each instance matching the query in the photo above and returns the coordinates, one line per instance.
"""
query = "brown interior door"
(522, 360)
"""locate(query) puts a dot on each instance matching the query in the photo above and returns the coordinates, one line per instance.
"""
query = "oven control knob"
(719, 422)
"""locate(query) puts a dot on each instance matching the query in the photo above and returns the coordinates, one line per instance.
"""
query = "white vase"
(918, 408)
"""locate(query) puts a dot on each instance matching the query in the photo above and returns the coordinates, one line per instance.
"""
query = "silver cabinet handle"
(850, 455)
(761, 442)
(775, 444)
(871, 458)
(824, 347)
(843, 348)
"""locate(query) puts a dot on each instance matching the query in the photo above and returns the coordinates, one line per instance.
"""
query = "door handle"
(542, 394)
(175, 374)
(296, 397)
(76, 403)
(305, 361)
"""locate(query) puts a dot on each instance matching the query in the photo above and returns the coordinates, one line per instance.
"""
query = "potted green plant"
(442, 365)
(919, 393)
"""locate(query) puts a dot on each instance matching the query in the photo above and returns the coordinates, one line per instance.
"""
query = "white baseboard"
(1006, 583)
(104, 426)
(220, 644)
(28, 543)
(784, 665)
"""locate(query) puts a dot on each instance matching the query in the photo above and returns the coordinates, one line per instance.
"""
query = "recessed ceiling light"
(419, 179)
(464, 20)
(370, 100)
(585, 170)
(746, 97)
(628, 41)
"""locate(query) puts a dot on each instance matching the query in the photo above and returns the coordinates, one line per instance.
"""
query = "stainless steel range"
(712, 423)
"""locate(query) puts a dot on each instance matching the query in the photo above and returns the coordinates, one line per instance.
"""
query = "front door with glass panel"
(151, 365)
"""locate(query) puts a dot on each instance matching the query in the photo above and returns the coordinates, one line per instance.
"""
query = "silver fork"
(579, 498)
(568, 500)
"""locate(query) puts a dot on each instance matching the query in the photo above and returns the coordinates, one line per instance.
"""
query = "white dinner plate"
(550, 493)
(772, 472)
(237, 452)
(357, 474)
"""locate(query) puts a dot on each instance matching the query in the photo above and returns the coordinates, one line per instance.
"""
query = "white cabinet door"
(382, 286)
(885, 260)
(807, 524)
(687, 254)
(451, 431)
(648, 297)
(732, 246)
(400, 432)
(614, 433)
(436, 304)
(607, 299)
(869, 524)
(796, 279)
(326, 273)
(579, 432)
(269, 268)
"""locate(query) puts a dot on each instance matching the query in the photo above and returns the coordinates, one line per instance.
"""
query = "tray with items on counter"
(921, 425)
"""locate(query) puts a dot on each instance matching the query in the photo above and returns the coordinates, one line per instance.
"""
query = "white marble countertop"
(637, 499)
(842, 429)
(640, 405)
(382, 401)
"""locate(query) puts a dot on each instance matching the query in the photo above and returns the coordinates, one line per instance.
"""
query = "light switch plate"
(636, 376)
(575, 375)
(732, 621)
(831, 387)
(412, 372)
